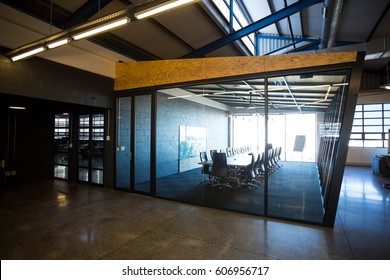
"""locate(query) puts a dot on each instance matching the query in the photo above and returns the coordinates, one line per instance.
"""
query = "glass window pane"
(97, 162)
(386, 106)
(359, 108)
(98, 120)
(83, 174)
(61, 171)
(357, 129)
(373, 107)
(61, 159)
(356, 143)
(358, 115)
(374, 114)
(372, 121)
(84, 160)
(386, 114)
(373, 128)
(98, 134)
(97, 176)
(375, 136)
(357, 122)
(84, 121)
(373, 143)
(356, 136)
(84, 134)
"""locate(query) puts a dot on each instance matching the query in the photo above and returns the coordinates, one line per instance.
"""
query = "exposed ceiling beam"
(119, 45)
(44, 10)
(85, 12)
(273, 10)
(171, 34)
(290, 27)
(385, 11)
(264, 22)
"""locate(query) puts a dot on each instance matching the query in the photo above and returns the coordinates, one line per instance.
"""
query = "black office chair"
(259, 167)
(212, 154)
(228, 151)
(248, 176)
(205, 166)
(278, 155)
(221, 175)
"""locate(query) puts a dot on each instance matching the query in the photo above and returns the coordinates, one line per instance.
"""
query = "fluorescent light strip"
(385, 86)
(161, 8)
(14, 107)
(58, 43)
(29, 53)
(182, 96)
(101, 28)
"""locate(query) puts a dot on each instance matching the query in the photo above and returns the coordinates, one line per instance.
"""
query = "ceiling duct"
(332, 10)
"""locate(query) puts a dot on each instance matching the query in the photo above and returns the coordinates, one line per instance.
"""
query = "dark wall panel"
(44, 79)
(34, 149)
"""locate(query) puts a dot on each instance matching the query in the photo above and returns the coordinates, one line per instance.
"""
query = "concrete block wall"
(171, 114)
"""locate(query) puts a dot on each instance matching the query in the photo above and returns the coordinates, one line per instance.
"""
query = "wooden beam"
(168, 73)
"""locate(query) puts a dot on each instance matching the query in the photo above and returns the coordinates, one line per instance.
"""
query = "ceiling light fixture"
(17, 107)
(28, 53)
(101, 28)
(56, 44)
(385, 86)
(160, 8)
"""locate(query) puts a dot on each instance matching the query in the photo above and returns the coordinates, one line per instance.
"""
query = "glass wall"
(123, 140)
(280, 136)
(142, 143)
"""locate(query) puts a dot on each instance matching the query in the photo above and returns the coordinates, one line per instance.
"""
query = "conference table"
(237, 161)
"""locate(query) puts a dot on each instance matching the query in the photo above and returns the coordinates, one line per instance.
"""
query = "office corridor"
(62, 220)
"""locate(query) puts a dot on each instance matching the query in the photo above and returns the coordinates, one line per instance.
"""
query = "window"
(370, 126)
(239, 21)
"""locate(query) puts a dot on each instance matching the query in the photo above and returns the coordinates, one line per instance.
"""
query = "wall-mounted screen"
(192, 141)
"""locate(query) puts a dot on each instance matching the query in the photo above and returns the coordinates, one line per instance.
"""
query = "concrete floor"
(62, 220)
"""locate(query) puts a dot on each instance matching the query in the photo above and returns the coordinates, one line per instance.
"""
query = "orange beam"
(168, 73)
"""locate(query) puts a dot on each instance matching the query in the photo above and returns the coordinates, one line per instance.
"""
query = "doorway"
(90, 145)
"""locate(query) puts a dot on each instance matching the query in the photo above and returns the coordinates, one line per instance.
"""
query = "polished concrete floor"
(60, 220)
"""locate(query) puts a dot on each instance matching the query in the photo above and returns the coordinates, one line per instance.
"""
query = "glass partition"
(279, 137)
(123, 140)
(142, 143)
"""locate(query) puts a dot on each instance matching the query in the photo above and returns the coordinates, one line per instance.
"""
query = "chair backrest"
(228, 151)
(250, 170)
(220, 167)
(270, 157)
(203, 156)
(279, 153)
(260, 162)
(212, 152)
